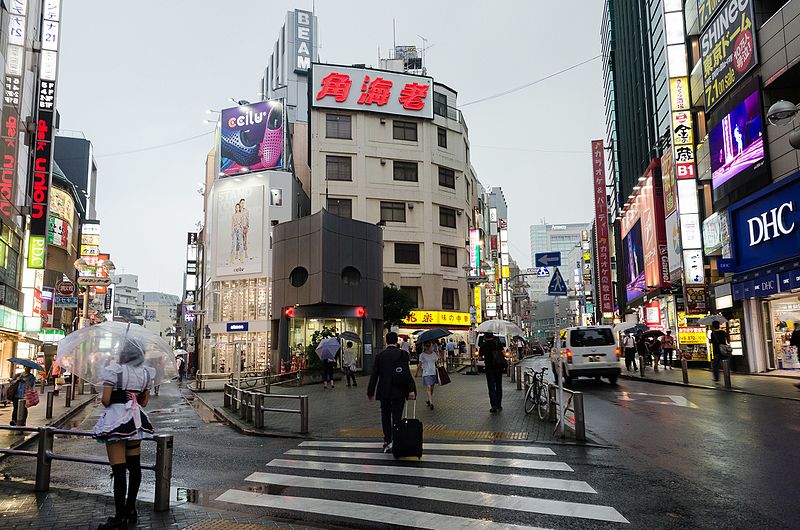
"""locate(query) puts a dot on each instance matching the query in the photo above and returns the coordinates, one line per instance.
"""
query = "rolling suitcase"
(407, 436)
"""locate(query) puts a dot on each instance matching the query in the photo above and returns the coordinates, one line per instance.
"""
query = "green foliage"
(313, 362)
(397, 306)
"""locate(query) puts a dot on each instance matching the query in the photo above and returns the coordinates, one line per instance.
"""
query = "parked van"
(587, 352)
(503, 342)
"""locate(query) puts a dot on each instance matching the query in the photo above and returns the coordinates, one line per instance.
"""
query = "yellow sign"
(688, 336)
(478, 307)
(587, 256)
(679, 93)
(506, 271)
(437, 318)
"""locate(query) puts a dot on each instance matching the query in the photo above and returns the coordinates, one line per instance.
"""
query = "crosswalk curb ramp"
(455, 485)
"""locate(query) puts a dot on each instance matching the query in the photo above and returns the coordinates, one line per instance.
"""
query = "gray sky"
(143, 76)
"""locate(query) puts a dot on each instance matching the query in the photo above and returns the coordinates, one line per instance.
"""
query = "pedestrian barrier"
(44, 458)
(249, 405)
(574, 406)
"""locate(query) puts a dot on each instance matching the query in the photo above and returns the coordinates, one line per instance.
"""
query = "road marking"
(442, 459)
(496, 448)
(678, 401)
(364, 512)
(520, 481)
(474, 498)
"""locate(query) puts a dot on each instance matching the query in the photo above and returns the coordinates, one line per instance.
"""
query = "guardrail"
(44, 457)
(249, 405)
(574, 415)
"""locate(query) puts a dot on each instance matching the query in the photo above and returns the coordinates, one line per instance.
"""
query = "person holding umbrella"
(427, 363)
(23, 382)
(327, 350)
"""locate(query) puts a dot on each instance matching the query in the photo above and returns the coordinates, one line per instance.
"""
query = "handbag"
(11, 391)
(31, 397)
(725, 350)
(444, 377)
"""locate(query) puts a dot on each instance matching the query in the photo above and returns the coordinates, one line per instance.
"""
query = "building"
(127, 305)
(561, 238)
(75, 156)
(160, 312)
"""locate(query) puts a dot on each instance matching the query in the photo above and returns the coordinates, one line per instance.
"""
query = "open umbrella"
(653, 334)
(432, 334)
(349, 335)
(327, 348)
(26, 362)
(179, 352)
(635, 328)
(499, 327)
(88, 351)
(627, 327)
(707, 321)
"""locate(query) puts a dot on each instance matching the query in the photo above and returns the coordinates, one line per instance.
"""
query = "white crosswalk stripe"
(318, 470)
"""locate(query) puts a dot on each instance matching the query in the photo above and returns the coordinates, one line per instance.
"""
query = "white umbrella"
(500, 327)
(707, 321)
(624, 326)
(327, 348)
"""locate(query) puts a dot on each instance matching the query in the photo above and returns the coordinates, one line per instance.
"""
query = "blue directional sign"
(548, 259)
(557, 287)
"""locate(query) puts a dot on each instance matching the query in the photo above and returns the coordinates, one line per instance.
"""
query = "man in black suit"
(391, 382)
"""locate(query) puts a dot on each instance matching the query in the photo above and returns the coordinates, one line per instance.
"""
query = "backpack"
(401, 373)
(498, 359)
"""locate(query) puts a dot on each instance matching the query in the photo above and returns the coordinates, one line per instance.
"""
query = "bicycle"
(538, 394)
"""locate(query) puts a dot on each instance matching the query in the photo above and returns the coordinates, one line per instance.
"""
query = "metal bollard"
(580, 416)
(48, 413)
(248, 415)
(552, 413)
(44, 382)
(258, 414)
(685, 369)
(243, 405)
(726, 372)
(641, 365)
(80, 386)
(68, 401)
(226, 396)
(164, 443)
(304, 414)
(155, 390)
(43, 459)
(513, 369)
(518, 376)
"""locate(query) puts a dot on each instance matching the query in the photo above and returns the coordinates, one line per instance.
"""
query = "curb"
(57, 422)
(705, 387)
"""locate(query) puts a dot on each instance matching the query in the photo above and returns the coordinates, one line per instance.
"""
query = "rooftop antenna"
(394, 37)
(424, 49)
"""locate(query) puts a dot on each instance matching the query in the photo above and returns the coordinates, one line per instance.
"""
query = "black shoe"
(492, 410)
(499, 408)
(113, 523)
(431, 406)
(132, 516)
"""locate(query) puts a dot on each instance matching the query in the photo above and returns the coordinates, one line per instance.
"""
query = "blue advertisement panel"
(765, 228)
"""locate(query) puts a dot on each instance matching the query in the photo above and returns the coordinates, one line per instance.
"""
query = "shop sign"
(789, 280)
(365, 89)
(766, 286)
(696, 300)
(233, 327)
(679, 93)
(303, 40)
(691, 336)
(711, 234)
(668, 178)
(66, 301)
(433, 318)
(37, 247)
(728, 49)
(59, 232)
(477, 299)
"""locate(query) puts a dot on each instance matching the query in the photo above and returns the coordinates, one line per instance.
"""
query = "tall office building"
(545, 237)
(75, 156)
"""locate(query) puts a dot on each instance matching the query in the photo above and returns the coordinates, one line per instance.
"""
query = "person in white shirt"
(427, 363)
(349, 363)
(405, 346)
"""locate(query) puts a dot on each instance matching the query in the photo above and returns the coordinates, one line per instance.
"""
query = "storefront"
(765, 244)
(305, 330)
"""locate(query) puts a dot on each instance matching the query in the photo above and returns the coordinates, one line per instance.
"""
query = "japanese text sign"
(728, 48)
(601, 225)
(434, 318)
(705, 9)
(364, 89)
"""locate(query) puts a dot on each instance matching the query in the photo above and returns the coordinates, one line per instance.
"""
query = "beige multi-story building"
(410, 174)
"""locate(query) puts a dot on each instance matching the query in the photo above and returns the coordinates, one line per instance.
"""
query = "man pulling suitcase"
(391, 382)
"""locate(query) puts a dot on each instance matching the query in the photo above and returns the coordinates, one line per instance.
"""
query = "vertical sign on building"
(601, 223)
(12, 100)
(43, 151)
(303, 41)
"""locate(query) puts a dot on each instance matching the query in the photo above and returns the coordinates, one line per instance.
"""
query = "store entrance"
(784, 318)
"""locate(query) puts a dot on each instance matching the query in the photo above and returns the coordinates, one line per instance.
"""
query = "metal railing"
(249, 405)
(44, 458)
(574, 412)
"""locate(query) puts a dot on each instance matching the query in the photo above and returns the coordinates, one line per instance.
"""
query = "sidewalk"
(36, 416)
(757, 385)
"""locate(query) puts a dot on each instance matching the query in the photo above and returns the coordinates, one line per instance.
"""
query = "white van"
(503, 342)
(587, 352)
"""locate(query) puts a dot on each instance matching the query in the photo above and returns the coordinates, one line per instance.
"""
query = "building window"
(449, 298)
(406, 253)
(441, 135)
(405, 130)
(449, 257)
(338, 126)
(412, 293)
(440, 104)
(341, 207)
(338, 167)
(393, 211)
(447, 177)
(406, 171)
(447, 217)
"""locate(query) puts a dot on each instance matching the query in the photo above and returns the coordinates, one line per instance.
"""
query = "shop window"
(406, 253)
(449, 298)
(447, 177)
(341, 207)
(338, 126)
(441, 136)
(447, 217)
(298, 276)
(412, 293)
(449, 257)
(406, 171)
(393, 211)
(351, 276)
(338, 167)
(404, 130)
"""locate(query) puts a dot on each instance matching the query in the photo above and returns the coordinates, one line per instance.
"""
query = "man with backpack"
(391, 382)
(495, 364)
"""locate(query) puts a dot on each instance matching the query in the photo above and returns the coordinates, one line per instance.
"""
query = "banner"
(604, 289)
(252, 138)
(238, 230)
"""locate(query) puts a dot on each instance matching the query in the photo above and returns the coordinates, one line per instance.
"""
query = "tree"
(397, 306)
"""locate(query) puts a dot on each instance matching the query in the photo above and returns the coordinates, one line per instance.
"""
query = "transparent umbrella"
(87, 351)
(500, 327)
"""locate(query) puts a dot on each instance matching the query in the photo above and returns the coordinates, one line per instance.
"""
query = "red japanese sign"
(604, 290)
(366, 89)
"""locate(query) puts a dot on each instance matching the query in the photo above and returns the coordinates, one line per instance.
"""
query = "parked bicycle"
(538, 394)
(253, 377)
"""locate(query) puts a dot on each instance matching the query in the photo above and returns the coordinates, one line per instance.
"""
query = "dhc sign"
(765, 227)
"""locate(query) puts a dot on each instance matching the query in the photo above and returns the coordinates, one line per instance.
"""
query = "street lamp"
(781, 113)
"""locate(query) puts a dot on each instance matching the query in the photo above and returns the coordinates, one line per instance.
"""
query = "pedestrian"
(391, 382)
(450, 347)
(427, 363)
(641, 348)
(794, 340)
(23, 380)
(327, 372)
(349, 363)
(181, 362)
(629, 348)
(406, 345)
(123, 426)
(655, 352)
(494, 364)
(668, 347)
(717, 340)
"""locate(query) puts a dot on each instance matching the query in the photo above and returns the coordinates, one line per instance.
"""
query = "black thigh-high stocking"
(118, 472)
(133, 463)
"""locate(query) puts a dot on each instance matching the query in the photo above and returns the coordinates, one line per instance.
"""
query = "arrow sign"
(558, 286)
(548, 259)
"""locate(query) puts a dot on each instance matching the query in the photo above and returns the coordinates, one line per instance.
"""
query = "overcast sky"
(142, 75)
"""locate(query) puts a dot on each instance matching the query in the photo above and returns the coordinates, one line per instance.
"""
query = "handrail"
(249, 405)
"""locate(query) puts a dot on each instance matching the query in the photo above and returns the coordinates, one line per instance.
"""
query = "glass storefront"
(301, 332)
(784, 318)
(249, 349)
(241, 300)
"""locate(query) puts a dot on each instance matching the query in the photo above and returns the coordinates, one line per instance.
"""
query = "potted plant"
(313, 370)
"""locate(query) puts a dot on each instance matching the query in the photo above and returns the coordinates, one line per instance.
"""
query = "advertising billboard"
(728, 48)
(59, 232)
(238, 230)
(634, 257)
(604, 285)
(367, 89)
(252, 138)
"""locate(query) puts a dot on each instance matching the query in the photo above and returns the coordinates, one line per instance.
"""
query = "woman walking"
(24, 381)
(349, 363)
(122, 427)
(427, 363)
(327, 371)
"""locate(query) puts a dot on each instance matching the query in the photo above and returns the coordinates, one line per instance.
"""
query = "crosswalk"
(454, 485)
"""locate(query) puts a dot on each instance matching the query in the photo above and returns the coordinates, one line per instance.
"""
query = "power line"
(562, 151)
(526, 85)
(152, 147)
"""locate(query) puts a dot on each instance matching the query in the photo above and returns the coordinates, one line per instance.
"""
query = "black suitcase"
(407, 436)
